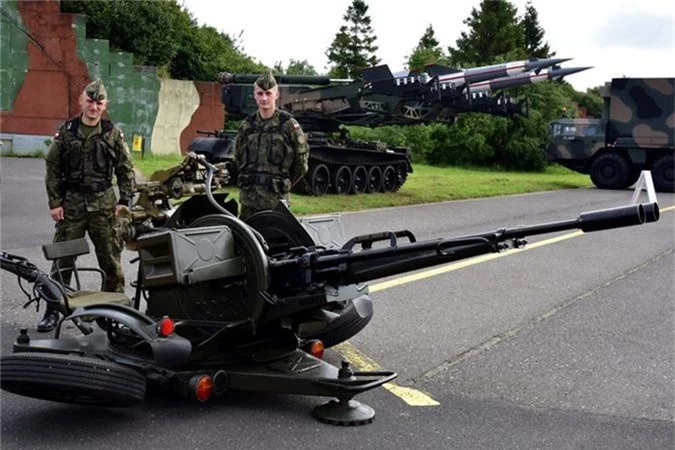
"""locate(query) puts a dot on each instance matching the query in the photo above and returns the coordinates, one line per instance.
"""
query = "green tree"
(427, 51)
(353, 47)
(494, 35)
(162, 33)
(535, 47)
(151, 30)
(295, 67)
(204, 52)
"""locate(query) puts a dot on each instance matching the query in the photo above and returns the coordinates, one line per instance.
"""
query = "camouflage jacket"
(271, 152)
(80, 170)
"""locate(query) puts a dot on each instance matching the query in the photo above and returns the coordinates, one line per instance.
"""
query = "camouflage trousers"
(108, 248)
(257, 198)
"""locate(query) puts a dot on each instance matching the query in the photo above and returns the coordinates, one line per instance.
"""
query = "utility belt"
(89, 188)
(274, 183)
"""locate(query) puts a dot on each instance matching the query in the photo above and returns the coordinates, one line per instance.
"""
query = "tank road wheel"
(389, 179)
(662, 174)
(610, 171)
(401, 176)
(71, 379)
(359, 180)
(319, 179)
(342, 180)
(374, 180)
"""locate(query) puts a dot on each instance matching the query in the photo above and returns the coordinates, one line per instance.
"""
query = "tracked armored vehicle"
(325, 107)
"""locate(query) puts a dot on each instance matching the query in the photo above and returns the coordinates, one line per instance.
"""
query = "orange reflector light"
(316, 349)
(165, 327)
(204, 388)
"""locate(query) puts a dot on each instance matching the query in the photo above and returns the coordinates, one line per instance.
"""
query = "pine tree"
(428, 51)
(353, 48)
(495, 35)
(534, 34)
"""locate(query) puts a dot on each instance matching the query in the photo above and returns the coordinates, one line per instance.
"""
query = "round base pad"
(344, 412)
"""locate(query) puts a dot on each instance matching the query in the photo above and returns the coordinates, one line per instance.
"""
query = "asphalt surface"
(565, 345)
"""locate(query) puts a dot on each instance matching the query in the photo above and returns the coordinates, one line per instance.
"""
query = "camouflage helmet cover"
(96, 90)
(266, 81)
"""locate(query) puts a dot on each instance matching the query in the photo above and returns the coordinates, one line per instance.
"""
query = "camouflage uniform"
(79, 178)
(271, 155)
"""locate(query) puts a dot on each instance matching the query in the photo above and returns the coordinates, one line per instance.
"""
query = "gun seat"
(75, 296)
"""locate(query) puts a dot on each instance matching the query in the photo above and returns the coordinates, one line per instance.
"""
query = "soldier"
(87, 151)
(271, 152)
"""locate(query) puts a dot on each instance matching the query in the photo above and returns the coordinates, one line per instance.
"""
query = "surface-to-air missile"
(323, 106)
(522, 79)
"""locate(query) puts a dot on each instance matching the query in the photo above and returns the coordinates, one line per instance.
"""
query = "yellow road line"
(412, 397)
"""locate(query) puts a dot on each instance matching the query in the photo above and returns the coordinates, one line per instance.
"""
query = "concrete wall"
(46, 60)
(178, 100)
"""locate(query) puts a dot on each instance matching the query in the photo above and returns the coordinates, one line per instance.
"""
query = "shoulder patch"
(296, 125)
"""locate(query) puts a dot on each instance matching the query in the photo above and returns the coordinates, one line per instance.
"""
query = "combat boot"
(49, 320)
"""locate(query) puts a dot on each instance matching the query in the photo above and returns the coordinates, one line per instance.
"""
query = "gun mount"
(325, 107)
(249, 306)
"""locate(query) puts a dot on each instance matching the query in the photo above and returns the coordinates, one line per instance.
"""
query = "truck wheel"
(71, 379)
(662, 174)
(610, 171)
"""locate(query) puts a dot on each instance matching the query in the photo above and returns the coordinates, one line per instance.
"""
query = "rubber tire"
(71, 379)
(342, 328)
(662, 174)
(619, 169)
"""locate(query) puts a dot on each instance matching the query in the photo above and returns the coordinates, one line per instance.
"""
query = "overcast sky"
(618, 38)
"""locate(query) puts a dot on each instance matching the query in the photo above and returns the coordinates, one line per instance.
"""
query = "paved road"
(568, 344)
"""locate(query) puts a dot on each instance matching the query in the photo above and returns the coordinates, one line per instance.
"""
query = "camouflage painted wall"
(49, 60)
(13, 54)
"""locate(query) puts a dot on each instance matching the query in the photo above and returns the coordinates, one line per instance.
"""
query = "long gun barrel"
(346, 266)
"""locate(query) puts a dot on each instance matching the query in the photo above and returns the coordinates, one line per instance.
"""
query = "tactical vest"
(269, 154)
(87, 164)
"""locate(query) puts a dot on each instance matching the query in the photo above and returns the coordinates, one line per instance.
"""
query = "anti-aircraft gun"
(235, 305)
(325, 107)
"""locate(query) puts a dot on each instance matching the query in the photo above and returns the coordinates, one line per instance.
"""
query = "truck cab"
(635, 133)
(573, 141)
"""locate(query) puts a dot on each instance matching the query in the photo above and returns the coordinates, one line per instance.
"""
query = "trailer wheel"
(71, 379)
(610, 171)
(662, 174)
(374, 179)
(359, 180)
(350, 321)
(319, 179)
(388, 179)
(342, 180)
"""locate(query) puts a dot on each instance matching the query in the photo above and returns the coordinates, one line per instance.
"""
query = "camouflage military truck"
(635, 133)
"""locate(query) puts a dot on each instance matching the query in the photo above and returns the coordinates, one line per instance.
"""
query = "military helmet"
(266, 81)
(96, 90)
